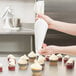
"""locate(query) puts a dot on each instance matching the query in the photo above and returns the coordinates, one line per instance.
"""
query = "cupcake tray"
(59, 70)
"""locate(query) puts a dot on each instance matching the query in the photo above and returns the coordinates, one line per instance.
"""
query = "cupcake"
(11, 66)
(59, 57)
(36, 69)
(10, 56)
(70, 64)
(1, 68)
(41, 61)
(47, 57)
(32, 56)
(53, 59)
(22, 64)
(66, 58)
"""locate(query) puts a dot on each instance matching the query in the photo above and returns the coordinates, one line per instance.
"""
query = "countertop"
(59, 70)
(25, 29)
(22, 31)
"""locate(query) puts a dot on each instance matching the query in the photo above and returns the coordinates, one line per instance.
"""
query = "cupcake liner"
(22, 66)
(59, 59)
(53, 62)
(1, 69)
(11, 68)
(31, 59)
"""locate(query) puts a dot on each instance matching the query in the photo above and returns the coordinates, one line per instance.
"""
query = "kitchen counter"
(59, 70)
(23, 31)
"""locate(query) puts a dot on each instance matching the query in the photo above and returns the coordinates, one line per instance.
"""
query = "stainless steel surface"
(63, 10)
(59, 70)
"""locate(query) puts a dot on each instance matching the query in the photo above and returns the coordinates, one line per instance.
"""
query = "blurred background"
(62, 10)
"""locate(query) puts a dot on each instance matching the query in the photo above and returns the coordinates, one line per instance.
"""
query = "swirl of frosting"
(11, 64)
(21, 61)
(1, 65)
(11, 60)
(32, 54)
(53, 57)
(67, 56)
(70, 61)
(24, 57)
(41, 60)
(59, 55)
(36, 66)
(11, 56)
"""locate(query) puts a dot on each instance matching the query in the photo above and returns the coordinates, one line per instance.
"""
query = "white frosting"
(11, 56)
(11, 64)
(41, 60)
(36, 66)
(24, 57)
(1, 65)
(70, 61)
(67, 56)
(32, 54)
(21, 61)
(59, 56)
(11, 60)
(53, 57)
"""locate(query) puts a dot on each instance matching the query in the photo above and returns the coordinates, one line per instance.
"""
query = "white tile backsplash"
(23, 9)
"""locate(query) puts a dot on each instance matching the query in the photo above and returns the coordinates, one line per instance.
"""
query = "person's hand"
(46, 18)
(44, 45)
(49, 50)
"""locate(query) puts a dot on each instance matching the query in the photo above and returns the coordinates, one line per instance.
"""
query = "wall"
(24, 9)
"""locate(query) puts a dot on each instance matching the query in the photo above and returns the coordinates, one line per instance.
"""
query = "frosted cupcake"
(1, 67)
(66, 58)
(53, 59)
(36, 69)
(59, 57)
(32, 56)
(11, 66)
(22, 64)
(41, 61)
(70, 64)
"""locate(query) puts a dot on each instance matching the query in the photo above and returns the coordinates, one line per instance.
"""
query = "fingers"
(41, 16)
(44, 45)
(43, 53)
(48, 50)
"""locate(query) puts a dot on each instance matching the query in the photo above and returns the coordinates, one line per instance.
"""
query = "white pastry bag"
(40, 29)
